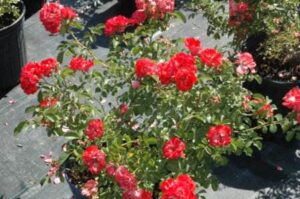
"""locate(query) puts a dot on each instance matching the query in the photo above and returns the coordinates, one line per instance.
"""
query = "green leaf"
(151, 141)
(71, 136)
(290, 135)
(77, 25)
(30, 109)
(66, 72)
(22, 126)
(273, 128)
(40, 96)
(43, 180)
(63, 157)
(180, 16)
(60, 56)
(258, 145)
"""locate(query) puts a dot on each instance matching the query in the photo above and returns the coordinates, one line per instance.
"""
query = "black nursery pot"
(76, 191)
(126, 7)
(32, 6)
(275, 90)
(12, 52)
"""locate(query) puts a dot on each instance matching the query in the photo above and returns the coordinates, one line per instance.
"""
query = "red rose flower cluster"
(33, 72)
(183, 187)
(180, 69)
(145, 67)
(127, 182)
(292, 101)
(116, 24)
(81, 64)
(239, 13)
(219, 135)
(194, 45)
(48, 102)
(174, 149)
(94, 159)
(245, 63)
(155, 8)
(94, 129)
(52, 14)
(210, 57)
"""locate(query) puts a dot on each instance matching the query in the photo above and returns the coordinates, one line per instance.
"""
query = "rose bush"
(154, 118)
(269, 29)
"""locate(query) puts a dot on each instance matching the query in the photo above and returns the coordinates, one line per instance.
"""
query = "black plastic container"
(76, 191)
(12, 52)
(126, 7)
(32, 6)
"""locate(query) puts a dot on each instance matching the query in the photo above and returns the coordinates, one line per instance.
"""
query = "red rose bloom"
(193, 44)
(137, 194)
(174, 149)
(140, 4)
(125, 179)
(212, 58)
(185, 80)
(94, 159)
(246, 63)
(48, 102)
(94, 129)
(135, 84)
(90, 188)
(138, 17)
(50, 16)
(47, 66)
(219, 136)
(165, 6)
(116, 24)
(68, 13)
(183, 61)
(183, 187)
(110, 169)
(292, 99)
(30, 76)
(80, 63)
(145, 67)
(166, 73)
(123, 108)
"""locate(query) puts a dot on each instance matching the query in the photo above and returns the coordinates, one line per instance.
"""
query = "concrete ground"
(274, 173)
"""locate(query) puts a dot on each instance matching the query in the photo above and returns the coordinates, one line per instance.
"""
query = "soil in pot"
(283, 69)
(278, 76)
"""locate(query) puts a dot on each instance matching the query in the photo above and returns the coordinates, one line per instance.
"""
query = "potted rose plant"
(153, 120)
(267, 29)
(13, 53)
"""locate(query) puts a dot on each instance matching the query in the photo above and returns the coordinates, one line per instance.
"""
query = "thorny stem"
(261, 126)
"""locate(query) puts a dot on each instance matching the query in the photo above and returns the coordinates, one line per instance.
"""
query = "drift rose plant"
(150, 121)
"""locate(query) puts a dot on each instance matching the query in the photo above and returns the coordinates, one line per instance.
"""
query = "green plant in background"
(9, 11)
(274, 25)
